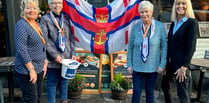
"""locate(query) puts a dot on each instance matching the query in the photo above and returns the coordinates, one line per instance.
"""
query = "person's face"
(146, 15)
(181, 8)
(56, 6)
(31, 11)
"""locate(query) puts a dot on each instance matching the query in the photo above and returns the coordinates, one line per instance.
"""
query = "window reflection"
(163, 8)
(201, 9)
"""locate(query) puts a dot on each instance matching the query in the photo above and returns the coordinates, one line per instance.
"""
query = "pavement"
(101, 98)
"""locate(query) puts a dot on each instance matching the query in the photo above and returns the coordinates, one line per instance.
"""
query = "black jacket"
(181, 45)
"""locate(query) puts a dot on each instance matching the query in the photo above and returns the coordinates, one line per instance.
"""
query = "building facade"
(10, 13)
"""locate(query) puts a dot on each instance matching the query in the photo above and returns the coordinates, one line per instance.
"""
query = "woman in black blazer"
(181, 46)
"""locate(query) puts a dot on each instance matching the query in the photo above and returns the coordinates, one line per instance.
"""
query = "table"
(202, 65)
(6, 69)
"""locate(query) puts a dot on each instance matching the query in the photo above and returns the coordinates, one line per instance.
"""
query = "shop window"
(201, 9)
(98, 3)
(2, 31)
(163, 9)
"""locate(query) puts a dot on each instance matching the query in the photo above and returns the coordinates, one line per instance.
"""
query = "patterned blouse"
(29, 47)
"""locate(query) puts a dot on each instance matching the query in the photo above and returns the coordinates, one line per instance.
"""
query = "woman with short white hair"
(147, 50)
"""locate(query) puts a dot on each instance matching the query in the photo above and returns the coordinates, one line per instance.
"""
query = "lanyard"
(145, 31)
(37, 28)
(59, 26)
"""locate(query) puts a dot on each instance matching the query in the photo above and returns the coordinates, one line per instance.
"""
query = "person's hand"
(74, 57)
(130, 70)
(44, 70)
(160, 70)
(164, 72)
(45, 67)
(181, 74)
(33, 76)
(58, 59)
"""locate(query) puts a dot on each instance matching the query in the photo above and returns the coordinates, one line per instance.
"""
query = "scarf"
(60, 43)
(145, 45)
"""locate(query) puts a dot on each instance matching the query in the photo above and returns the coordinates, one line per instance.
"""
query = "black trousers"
(31, 92)
(182, 87)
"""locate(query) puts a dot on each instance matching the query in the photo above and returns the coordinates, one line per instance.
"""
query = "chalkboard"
(89, 68)
(120, 64)
(105, 83)
(105, 78)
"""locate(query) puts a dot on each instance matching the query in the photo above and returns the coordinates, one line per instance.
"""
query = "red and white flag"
(102, 30)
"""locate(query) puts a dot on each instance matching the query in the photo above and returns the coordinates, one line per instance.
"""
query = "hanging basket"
(119, 95)
(74, 94)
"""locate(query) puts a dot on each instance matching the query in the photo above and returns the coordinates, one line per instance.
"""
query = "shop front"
(99, 69)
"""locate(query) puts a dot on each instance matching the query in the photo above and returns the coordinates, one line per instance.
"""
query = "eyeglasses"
(56, 3)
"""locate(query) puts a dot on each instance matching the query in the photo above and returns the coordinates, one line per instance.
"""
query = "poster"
(105, 82)
(89, 69)
(204, 29)
(120, 64)
(201, 46)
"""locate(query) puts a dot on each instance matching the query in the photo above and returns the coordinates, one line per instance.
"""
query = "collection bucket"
(69, 68)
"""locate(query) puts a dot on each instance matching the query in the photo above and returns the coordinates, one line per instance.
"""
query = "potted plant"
(120, 86)
(75, 87)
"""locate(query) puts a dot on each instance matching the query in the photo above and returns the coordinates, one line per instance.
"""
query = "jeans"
(31, 92)
(54, 81)
(139, 79)
(182, 87)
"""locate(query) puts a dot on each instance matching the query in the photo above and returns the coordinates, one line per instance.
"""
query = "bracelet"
(31, 69)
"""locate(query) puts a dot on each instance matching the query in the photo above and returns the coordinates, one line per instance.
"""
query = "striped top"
(29, 47)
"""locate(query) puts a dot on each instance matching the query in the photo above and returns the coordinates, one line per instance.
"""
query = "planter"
(74, 94)
(120, 95)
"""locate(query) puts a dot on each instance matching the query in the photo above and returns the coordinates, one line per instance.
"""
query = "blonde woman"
(30, 62)
(181, 46)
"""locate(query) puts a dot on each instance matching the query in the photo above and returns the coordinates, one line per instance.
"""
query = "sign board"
(201, 46)
(89, 69)
(206, 54)
(204, 29)
(119, 65)
(105, 82)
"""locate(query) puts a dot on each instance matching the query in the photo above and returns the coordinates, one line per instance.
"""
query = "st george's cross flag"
(102, 30)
